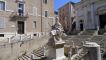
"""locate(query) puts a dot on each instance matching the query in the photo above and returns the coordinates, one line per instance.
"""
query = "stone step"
(88, 32)
(26, 57)
(39, 54)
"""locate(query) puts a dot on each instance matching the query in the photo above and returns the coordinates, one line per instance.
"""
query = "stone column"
(93, 25)
(85, 18)
(77, 23)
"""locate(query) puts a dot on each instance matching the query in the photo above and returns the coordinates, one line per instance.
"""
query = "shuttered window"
(34, 11)
(46, 13)
(2, 23)
(34, 24)
(2, 5)
(45, 1)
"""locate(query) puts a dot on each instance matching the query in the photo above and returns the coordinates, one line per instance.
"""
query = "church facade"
(90, 14)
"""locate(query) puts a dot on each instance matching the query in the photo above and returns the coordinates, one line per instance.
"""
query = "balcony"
(18, 16)
(19, 1)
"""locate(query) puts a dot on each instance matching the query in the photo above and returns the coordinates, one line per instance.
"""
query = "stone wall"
(13, 51)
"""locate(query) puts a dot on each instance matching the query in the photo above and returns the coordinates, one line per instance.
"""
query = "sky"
(59, 3)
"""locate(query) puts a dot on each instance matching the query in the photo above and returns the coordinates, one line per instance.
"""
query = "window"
(45, 1)
(46, 13)
(34, 24)
(2, 23)
(34, 11)
(21, 9)
(1, 35)
(2, 5)
(89, 16)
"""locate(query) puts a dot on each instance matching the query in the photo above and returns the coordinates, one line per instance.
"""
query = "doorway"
(20, 27)
(74, 26)
(81, 25)
(102, 19)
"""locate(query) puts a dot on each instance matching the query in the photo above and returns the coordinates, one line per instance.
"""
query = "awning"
(22, 1)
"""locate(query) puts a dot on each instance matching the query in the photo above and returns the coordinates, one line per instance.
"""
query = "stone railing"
(39, 53)
(19, 38)
(18, 16)
(81, 53)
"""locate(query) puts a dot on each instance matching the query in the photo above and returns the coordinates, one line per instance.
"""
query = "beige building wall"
(33, 9)
(66, 15)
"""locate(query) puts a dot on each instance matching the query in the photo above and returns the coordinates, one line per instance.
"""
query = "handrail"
(28, 37)
(79, 55)
(23, 56)
(19, 38)
(15, 39)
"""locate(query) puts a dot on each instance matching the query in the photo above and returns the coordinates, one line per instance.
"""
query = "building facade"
(66, 16)
(90, 14)
(19, 17)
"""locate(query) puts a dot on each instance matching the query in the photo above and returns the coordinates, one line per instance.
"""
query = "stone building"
(19, 17)
(66, 16)
(90, 14)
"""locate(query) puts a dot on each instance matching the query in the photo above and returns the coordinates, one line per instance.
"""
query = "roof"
(67, 3)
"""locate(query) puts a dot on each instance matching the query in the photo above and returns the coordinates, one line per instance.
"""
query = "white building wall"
(82, 14)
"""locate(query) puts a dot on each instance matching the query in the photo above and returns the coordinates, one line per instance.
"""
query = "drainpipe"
(69, 30)
(41, 18)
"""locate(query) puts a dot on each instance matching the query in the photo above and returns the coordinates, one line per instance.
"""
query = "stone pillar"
(56, 52)
(93, 51)
(85, 18)
(97, 21)
(77, 23)
(59, 51)
(51, 53)
(93, 25)
(66, 50)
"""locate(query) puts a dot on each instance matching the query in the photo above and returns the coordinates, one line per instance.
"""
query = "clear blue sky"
(59, 3)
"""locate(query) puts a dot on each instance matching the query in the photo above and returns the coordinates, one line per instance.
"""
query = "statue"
(57, 31)
(55, 43)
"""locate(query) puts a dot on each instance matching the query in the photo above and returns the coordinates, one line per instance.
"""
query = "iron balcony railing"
(18, 16)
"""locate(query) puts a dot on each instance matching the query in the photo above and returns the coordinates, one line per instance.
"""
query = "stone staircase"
(101, 31)
(87, 32)
(97, 39)
(24, 57)
(14, 47)
(78, 39)
(37, 54)
(40, 52)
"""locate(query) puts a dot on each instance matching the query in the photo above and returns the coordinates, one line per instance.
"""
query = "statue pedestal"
(60, 51)
(56, 52)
